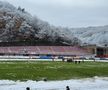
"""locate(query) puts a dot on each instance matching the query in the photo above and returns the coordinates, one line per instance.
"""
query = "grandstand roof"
(54, 50)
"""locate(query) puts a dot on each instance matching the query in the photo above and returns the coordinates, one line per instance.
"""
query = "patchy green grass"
(51, 70)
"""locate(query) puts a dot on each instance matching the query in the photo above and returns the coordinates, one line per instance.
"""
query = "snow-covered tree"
(17, 24)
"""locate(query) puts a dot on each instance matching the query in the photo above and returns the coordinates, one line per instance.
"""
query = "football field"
(39, 70)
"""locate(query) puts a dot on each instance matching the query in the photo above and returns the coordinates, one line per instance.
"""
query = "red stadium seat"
(54, 50)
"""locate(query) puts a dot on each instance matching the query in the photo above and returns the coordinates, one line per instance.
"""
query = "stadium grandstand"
(10, 51)
(43, 52)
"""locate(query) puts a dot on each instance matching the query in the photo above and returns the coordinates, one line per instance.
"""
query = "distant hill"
(19, 27)
(92, 35)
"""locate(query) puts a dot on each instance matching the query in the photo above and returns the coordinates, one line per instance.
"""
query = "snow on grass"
(96, 83)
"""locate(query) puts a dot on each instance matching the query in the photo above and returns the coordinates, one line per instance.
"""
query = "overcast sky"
(67, 13)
